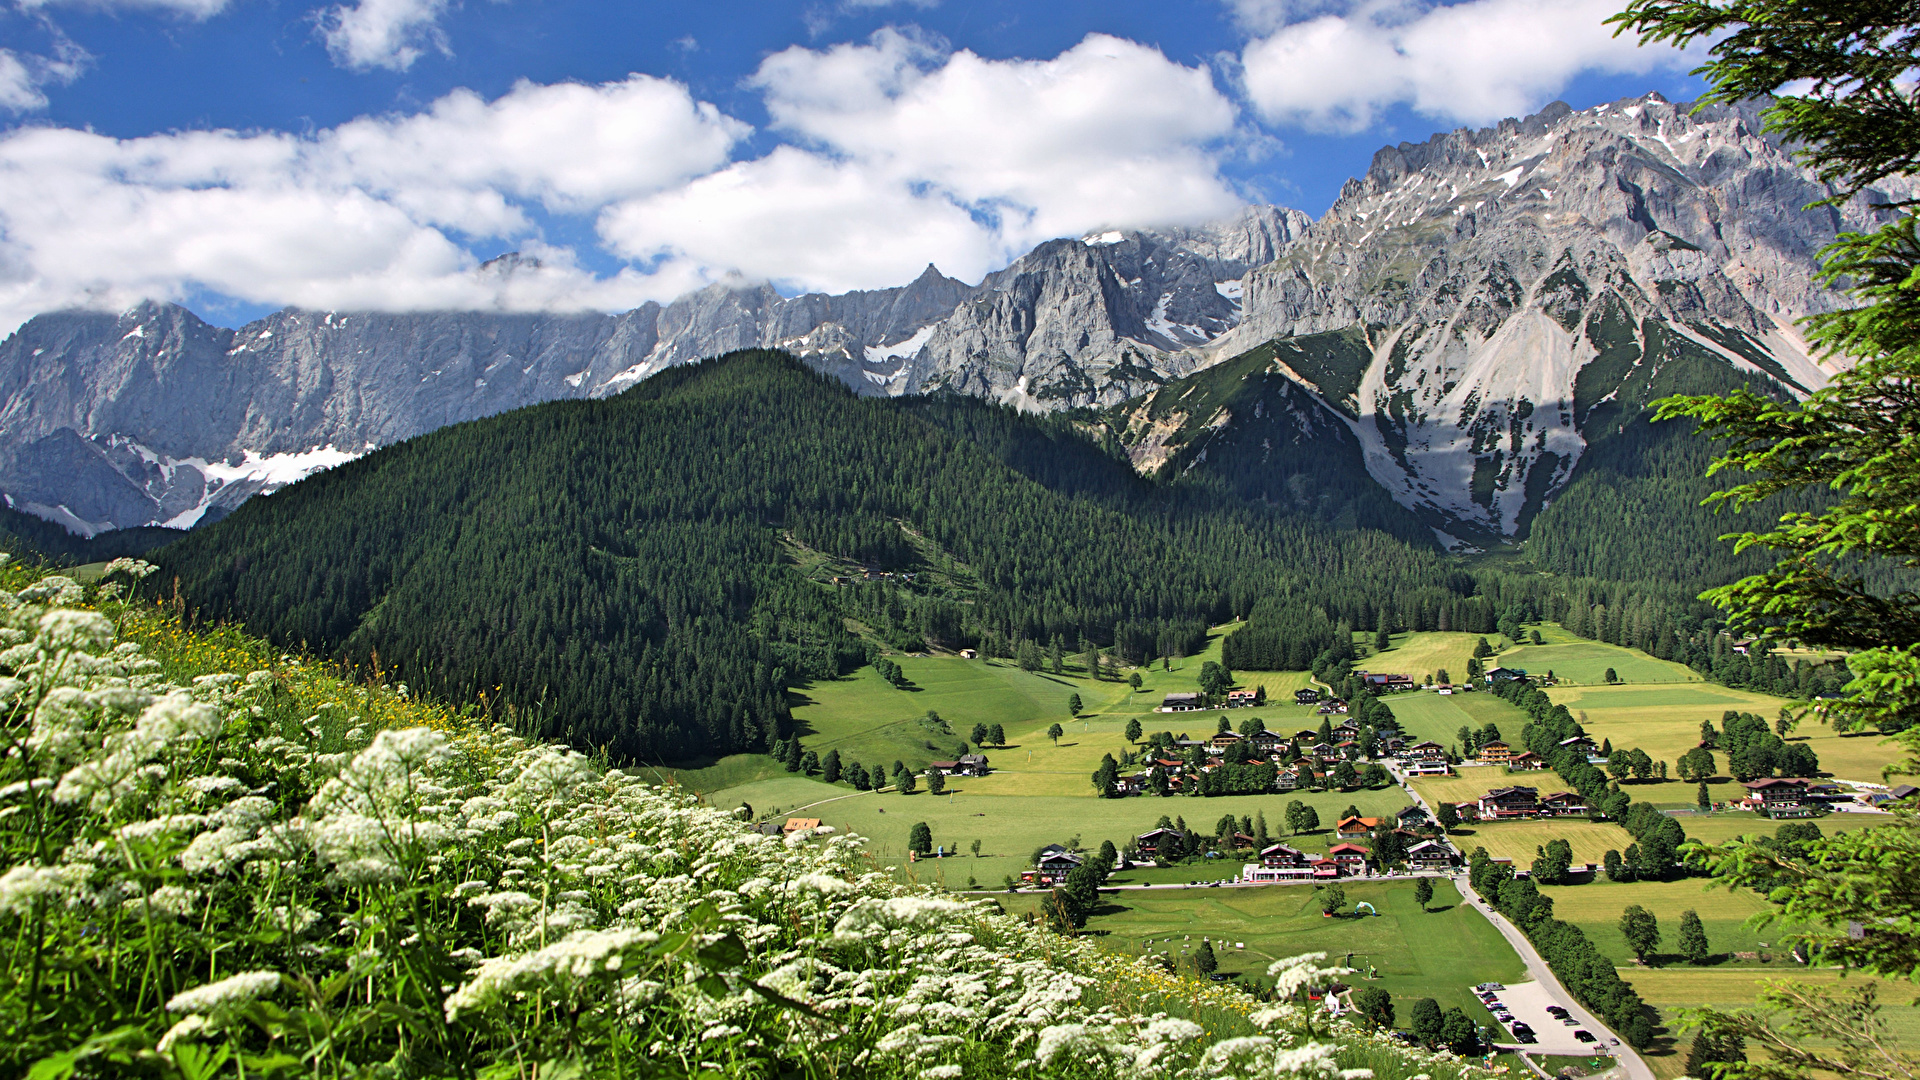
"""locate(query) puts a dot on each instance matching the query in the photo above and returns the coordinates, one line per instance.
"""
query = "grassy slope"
(1437, 954)
(1597, 907)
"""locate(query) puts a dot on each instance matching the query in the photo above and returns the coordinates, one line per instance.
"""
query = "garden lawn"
(1474, 781)
(1521, 840)
(1012, 827)
(1665, 722)
(1438, 954)
(1596, 907)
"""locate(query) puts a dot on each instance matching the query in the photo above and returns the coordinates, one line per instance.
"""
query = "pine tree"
(1692, 941)
(1204, 961)
(830, 770)
(1423, 892)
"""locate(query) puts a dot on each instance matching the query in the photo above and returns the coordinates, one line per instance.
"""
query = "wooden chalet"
(1052, 867)
(1495, 753)
(966, 765)
(1354, 827)
(1182, 702)
(1425, 767)
(1430, 855)
(1351, 858)
(1427, 751)
(1412, 817)
(1527, 759)
(1383, 681)
(1564, 804)
(1306, 697)
(1779, 797)
(1507, 803)
(1148, 843)
(1241, 699)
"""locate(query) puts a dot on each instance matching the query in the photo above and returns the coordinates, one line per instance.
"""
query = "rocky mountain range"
(1451, 323)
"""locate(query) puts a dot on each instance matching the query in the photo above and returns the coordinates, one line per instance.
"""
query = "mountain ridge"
(1458, 310)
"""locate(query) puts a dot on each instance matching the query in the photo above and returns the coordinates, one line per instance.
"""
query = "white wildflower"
(187, 1026)
(63, 628)
(229, 992)
(561, 968)
(28, 882)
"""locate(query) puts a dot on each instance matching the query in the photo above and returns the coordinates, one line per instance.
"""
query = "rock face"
(1453, 320)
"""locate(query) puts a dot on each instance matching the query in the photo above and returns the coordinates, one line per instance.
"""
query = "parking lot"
(1528, 1003)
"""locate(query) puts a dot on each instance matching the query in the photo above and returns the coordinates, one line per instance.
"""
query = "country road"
(1637, 1068)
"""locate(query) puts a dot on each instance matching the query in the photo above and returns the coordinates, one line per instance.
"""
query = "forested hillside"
(623, 571)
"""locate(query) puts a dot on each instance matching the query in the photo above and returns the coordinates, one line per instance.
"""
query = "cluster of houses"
(1318, 755)
(1276, 862)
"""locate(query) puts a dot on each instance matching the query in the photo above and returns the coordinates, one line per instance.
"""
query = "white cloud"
(353, 216)
(23, 74)
(383, 33)
(992, 155)
(797, 218)
(1472, 62)
(899, 153)
(192, 9)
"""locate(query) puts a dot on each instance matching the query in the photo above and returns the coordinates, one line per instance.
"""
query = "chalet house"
(1496, 753)
(1394, 745)
(1505, 674)
(1223, 740)
(1424, 767)
(1387, 682)
(1351, 858)
(1563, 804)
(1427, 751)
(1306, 697)
(1184, 744)
(1355, 827)
(1291, 779)
(1240, 699)
(1279, 856)
(1903, 791)
(1052, 867)
(795, 824)
(1148, 843)
(1779, 797)
(1430, 855)
(1306, 735)
(1526, 759)
(1266, 742)
(1412, 817)
(1349, 728)
(1467, 811)
(1180, 703)
(1579, 742)
(1322, 750)
(1133, 784)
(967, 765)
(1444, 688)
(1744, 646)
(1502, 804)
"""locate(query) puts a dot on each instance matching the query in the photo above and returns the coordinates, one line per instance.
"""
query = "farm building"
(1183, 702)
(1052, 867)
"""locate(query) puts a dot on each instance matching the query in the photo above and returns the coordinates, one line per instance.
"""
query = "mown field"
(1576, 660)
(1665, 722)
(1521, 841)
(1438, 954)
(1723, 912)
(1425, 714)
(1011, 827)
(1674, 988)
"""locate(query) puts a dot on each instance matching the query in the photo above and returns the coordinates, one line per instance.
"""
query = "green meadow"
(1011, 827)
(1439, 953)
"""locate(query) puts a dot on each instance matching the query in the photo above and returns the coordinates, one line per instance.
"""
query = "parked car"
(1556, 1010)
(1502, 1015)
(1524, 1038)
(1583, 1035)
(1520, 1028)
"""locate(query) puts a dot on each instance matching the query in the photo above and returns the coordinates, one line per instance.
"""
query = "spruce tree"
(1692, 940)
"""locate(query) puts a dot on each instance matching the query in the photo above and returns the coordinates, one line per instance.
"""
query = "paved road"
(1636, 1066)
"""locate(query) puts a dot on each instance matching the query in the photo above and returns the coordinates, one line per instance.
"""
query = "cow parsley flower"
(216, 998)
(28, 882)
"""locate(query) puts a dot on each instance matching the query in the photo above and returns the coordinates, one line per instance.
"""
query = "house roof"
(1182, 696)
(1430, 847)
(1903, 791)
(795, 824)
(1775, 782)
(1531, 793)
(1363, 822)
(1342, 849)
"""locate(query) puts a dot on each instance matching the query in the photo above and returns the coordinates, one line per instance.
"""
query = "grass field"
(1720, 827)
(1521, 840)
(1423, 654)
(1674, 988)
(1437, 954)
(1665, 722)
(1424, 714)
(1576, 660)
(1597, 907)
(1011, 827)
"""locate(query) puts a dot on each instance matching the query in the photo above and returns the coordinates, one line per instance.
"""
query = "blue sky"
(241, 155)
